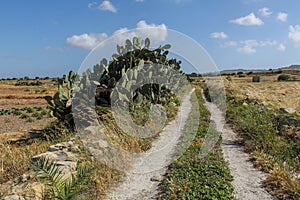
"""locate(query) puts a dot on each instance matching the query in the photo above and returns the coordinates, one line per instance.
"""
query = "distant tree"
(193, 74)
(26, 78)
(240, 73)
(283, 77)
(250, 73)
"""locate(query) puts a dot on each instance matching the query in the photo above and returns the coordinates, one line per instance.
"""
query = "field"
(13, 96)
(278, 94)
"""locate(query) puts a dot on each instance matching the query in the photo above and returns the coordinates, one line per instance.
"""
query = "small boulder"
(288, 110)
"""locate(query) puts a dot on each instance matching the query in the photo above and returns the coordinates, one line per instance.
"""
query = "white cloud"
(105, 5)
(294, 35)
(139, 0)
(249, 20)
(230, 44)
(282, 16)
(92, 5)
(246, 50)
(218, 35)
(267, 43)
(281, 47)
(86, 41)
(265, 12)
(156, 33)
(249, 46)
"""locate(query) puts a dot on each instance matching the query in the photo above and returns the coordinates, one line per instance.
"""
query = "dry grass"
(280, 183)
(16, 150)
(15, 159)
(278, 94)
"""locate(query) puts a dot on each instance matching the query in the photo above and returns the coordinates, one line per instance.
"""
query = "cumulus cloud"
(105, 5)
(249, 20)
(294, 35)
(282, 16)
(281, 47)
(86, 41)
(265, 12)
(156, 33)
(218, 35)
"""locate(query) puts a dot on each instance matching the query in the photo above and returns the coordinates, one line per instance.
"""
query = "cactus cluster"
(134, 74)
(134, 63)
(60, 103)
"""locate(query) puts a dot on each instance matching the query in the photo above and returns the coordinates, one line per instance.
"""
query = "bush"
(283, 77)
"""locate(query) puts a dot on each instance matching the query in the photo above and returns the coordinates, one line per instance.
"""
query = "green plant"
(129, 64)
(26, 117)
(37, 115)
(29, 110)
(58, 187)
(190, 177)
(60, 103)
(272, 150)
(283, 77)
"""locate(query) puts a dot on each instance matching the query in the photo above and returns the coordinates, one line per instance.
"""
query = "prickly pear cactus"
(132, 63)
(60, 103)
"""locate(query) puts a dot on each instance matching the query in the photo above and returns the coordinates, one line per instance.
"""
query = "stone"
(288, 110)
(156, 179)
(290, 121)
(245, 104)
(38, 189)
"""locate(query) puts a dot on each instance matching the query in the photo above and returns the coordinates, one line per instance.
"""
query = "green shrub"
(283, 77)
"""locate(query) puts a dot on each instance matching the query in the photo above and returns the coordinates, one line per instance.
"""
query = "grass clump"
(26, 113)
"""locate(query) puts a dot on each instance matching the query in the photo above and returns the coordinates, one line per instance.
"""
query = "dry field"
(12, 96)
(278, 94)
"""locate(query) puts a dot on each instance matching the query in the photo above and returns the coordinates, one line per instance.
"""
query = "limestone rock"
(288, 110)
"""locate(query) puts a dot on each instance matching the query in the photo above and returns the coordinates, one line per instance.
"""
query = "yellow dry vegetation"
(278, 94)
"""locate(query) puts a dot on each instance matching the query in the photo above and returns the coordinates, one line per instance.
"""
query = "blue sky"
(48, 38)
